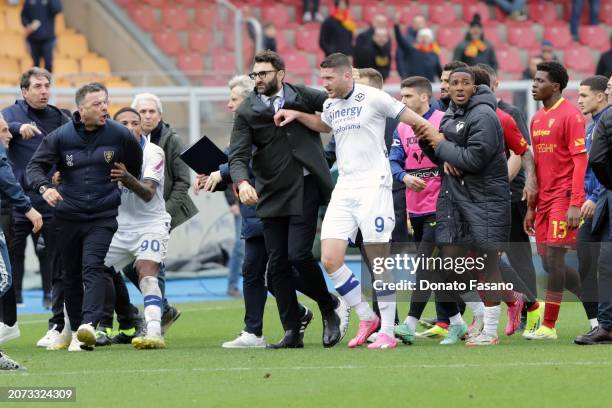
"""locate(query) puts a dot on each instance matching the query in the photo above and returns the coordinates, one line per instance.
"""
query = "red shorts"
(551, 227)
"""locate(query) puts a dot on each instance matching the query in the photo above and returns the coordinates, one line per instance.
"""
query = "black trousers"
(289, 243)
(57, 282)
(8, 302)
(42, 49)
(588, 255)
(83, 247)
(425, 238)
(21, 231)
(117, 299)
(254, 288)
(519, 253)
(400, 232)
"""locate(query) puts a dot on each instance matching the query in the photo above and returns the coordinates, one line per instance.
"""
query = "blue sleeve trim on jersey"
(397, 117)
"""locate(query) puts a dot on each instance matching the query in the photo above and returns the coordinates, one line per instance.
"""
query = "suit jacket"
(281, 154)
(600, 160)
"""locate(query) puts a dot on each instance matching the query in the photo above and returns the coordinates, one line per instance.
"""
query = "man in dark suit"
(600, 159)
(292, 181)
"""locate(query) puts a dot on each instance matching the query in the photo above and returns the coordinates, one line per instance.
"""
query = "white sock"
(471, 302)
(491, 320)
(594, 323)
(152, 302)
(387, 314)
(347, 285)
(457, 320)
(411, 322)
(349, 288)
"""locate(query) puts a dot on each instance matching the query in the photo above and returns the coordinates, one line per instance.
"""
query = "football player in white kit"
(144, 228)
(362, 198)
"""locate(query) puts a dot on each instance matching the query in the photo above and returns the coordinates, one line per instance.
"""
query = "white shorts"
(367, 209)
(127, 247)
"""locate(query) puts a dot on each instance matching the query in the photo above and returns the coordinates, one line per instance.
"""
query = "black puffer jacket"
(473, 209)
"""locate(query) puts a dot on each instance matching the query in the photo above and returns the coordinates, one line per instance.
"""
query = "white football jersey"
(358, 124)
(134, 213)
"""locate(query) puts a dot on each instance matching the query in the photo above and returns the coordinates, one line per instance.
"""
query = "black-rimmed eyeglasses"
(260, 74)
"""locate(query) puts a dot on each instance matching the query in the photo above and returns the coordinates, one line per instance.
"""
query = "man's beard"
(271, 88)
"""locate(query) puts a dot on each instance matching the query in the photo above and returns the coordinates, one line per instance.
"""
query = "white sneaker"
(48, 338)
(307, 17)
(8, 332)
(87, 334)
(62, 340)
(245, 340)
(319, 17)
(75, 344)
(344, 312)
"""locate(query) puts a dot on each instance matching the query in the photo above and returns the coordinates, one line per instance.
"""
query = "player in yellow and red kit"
(557, 133)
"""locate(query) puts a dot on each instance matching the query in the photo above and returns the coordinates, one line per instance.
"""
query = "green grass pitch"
(194, 371)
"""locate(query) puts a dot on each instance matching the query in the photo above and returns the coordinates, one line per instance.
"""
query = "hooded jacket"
(473, 209)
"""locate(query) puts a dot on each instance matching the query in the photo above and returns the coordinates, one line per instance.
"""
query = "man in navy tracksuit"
(86, 202)
(29, 120)
(38, 19)
(11, 189)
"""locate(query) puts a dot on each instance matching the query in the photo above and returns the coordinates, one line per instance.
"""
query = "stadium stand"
(74, 63)
(206, 31)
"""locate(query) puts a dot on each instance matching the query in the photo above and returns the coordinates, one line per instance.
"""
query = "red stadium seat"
(449, 37)
(476, 7)
(155, 3)
(175, 18)
(199, 41)
(559, 35)
(168, 42)
(281, 41)
(206, 16)
(595, 37)
(510, 61)
(579, 58)
(492, 34)
(408, 11)
(297, 63)
(278, 14)
(523, 37)
(442, 14)
(542, 12)
(224, 63)
(307, 39)
(368, 12)
(192, 64)
(144, 17)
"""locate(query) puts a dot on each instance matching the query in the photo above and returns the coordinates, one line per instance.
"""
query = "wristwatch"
(42, 189)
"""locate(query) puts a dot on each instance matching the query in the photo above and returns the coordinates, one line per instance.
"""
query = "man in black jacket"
(85, 151)
(600, 159)
(292, 181)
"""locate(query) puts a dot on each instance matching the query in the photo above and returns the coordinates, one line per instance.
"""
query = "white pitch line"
(304, 368)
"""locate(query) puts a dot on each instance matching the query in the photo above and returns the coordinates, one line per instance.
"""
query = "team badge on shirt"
(69, 160)
(360, 97)
(108, 155)
(460, 126)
